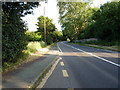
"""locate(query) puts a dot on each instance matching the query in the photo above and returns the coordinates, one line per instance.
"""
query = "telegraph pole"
(45, 24)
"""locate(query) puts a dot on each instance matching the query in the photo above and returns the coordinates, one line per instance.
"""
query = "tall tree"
(13, 29)
(50, 28)
(74, 17)
(107, 20)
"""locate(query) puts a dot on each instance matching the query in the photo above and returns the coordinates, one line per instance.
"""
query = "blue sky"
(51, 12)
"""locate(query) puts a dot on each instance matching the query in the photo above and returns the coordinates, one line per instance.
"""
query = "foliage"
(89, 31)
(33, 36)
(74, 17)
(33, 47)
(113, 48)
(13, 29)
(107, 20)
(57, 35)
(80, 21)
(52, 35)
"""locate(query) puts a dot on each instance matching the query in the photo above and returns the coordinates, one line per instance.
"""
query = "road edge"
(39, 81)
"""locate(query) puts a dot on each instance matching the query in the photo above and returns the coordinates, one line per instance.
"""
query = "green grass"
(113, 48)
(33, 47)
(103, 43)
(6, 66)
(40, 78)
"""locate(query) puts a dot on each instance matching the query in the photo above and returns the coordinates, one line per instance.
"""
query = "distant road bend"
(84, 67)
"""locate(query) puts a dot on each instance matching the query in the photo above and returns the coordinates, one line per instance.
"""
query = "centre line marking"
(62, 64)
(60, 49)
(65, 74)
(44, 80)
(94, 55)
(70, 89)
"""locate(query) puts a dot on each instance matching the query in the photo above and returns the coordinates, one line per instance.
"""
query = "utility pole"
(45, 24)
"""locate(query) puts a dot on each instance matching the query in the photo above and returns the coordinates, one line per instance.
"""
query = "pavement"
(85, 67)
(26, 74)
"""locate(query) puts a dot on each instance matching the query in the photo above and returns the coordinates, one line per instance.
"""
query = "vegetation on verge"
(80, 21)
(33, 47)
(113, 48)
(33, 36)
(17, 42)
(28, 55)
(52, 34)
(14, 40)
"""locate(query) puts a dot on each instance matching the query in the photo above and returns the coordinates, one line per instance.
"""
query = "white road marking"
(94, 55)
(65, 74)
(60, 58)
(62, 64)
(60, 49)
(44, 80)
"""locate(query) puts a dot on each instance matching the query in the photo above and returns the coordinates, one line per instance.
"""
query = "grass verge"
(36, 83)
(43, 74)
(113, 48)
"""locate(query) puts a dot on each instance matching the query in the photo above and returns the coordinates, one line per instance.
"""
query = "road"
(84, 67)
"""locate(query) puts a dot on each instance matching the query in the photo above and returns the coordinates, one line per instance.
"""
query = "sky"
(97, 3)
(51, 11)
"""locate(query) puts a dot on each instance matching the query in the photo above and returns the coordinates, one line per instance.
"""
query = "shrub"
(43, 44)
(13, 38)
(33, 47)
(107, 22)
(33, 36)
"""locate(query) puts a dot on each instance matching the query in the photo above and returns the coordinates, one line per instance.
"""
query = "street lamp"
(45, 23)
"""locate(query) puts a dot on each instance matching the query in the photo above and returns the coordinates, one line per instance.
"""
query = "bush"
(107, 22)
(89, 32)
(81, 36)
(13, 38)
(33, 36)
(43, 44)
(33, 47)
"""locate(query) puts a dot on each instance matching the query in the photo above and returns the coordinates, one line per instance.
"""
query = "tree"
(33, 36)
(50, 28)
(107, 20)
(57, 36)
(74, 17)
(13, 29)
(89, 29)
